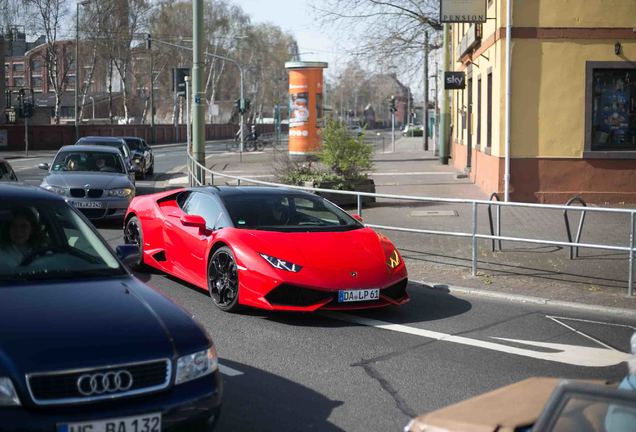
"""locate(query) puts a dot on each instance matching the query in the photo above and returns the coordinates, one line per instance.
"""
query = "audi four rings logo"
(104, 382)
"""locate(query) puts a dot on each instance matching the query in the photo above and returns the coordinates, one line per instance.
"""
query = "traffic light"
(392, 106)
(242, 105)
(148, 41)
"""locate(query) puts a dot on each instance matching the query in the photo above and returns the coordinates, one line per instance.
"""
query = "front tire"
(223, 283)
(133, 234)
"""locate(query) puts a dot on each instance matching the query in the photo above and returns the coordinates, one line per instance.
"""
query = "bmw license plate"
(358, 295)
(142, 423)
(87, 204)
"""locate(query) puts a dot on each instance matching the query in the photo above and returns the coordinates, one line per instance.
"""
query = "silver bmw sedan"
(94, 179)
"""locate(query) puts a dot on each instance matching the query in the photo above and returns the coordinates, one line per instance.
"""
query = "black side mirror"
(129, 254)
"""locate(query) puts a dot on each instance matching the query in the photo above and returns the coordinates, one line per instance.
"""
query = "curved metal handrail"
(574, 250)
(492, 231)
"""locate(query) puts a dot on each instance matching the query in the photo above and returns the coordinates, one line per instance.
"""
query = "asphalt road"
(373, 371)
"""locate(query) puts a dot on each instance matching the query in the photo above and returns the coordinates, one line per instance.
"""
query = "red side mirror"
(357, 217)
(193, 221)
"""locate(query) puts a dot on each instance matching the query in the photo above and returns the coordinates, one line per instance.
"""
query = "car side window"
(206, 207)
(3, 171)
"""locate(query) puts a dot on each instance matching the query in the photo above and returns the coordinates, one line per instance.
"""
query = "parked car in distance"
(537, 404)
(6, 172)
(94, 179)
(84, 345)
(142, 156)
(269, 248)
(118, 143)
(355, 130)
(416, 130)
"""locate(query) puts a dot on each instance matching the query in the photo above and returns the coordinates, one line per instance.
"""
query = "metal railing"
(197, 175)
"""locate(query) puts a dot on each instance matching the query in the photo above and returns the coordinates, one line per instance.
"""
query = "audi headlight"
(196, 365)
(8, 395)
(393, 261)
(280, 264)
(137, 160)
(58, 190)
(121, 193)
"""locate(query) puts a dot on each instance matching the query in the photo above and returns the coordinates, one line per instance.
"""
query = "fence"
(197, 176)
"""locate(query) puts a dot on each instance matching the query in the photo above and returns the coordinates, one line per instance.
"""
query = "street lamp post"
(77, 72)
(241, 69)
(93, 103)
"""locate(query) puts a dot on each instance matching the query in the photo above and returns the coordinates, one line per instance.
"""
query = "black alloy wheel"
(133, 234)
(223, 280)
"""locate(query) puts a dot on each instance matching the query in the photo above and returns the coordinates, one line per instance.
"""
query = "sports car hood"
(329, 257)
(95, 179)
(57, 326)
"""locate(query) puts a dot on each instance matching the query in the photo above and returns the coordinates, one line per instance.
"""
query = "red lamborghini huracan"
(270, 248)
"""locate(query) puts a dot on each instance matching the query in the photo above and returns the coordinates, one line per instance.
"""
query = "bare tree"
(47, 17)
(389, 33)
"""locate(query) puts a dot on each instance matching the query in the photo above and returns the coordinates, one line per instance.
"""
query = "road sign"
(462, 11)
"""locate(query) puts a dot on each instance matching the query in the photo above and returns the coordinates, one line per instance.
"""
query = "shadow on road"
(261, 401)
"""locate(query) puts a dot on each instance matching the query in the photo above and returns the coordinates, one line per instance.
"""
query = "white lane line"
(580, 333)
(411, 173)
(592, 321)
(562, 353)
(226, 370)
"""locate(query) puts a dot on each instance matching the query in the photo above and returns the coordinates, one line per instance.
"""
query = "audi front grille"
(100, 383)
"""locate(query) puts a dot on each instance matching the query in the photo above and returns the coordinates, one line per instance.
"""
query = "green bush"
(343, 161)
(346, 156)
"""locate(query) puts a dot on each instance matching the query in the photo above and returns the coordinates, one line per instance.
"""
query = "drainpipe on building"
(444, 124)
(508, 93)
(2, 89)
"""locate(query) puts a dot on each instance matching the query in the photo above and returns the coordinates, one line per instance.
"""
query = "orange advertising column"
(305, 106)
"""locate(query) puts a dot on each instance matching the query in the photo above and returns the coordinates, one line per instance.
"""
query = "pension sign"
(462, 11)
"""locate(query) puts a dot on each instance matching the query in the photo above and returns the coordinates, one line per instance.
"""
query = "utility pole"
(436, 129)
(198, 96)
(153, 136)
(425, 111)
(445, 112)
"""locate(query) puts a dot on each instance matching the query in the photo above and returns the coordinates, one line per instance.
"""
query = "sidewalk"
(596, 277)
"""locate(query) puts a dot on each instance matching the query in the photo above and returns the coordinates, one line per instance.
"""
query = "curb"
(607, 310)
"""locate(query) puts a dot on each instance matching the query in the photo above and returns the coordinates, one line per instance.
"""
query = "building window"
(611, 100)
(36, 83)
(18, 68)
(18, 81)
(36, 66)
(489, 112)
(478, 112)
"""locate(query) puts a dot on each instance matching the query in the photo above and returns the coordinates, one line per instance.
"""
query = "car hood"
(95, 180)
(330, 257)
(59, 326)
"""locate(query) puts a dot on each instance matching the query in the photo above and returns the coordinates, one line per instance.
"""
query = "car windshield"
(134, 144)
(123, 148)
(286, 212)
(47, 240)
(91, 161)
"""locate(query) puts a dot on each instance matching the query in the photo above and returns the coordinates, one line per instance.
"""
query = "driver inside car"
(20, 237)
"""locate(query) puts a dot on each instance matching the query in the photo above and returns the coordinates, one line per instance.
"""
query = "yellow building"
(573, 100)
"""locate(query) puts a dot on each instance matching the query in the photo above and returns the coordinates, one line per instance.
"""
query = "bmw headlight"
(196, 365)
(121, 193)
(8, 395)
(280, 264)
(393, 261)
(56, 189)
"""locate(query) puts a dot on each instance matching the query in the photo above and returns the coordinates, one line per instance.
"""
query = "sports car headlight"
(8, 395)
(56, 189)
(137, 160)
(393, 261)
(121, 193)
(280, 264)
(196, 365)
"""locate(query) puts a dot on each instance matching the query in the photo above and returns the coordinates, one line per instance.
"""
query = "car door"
(190, 244)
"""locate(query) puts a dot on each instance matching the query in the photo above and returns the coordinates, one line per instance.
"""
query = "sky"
(298, 18)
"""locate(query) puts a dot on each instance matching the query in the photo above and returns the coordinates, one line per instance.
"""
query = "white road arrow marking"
(562, 353)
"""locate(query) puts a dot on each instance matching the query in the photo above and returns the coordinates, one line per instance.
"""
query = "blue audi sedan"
(84, 345)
